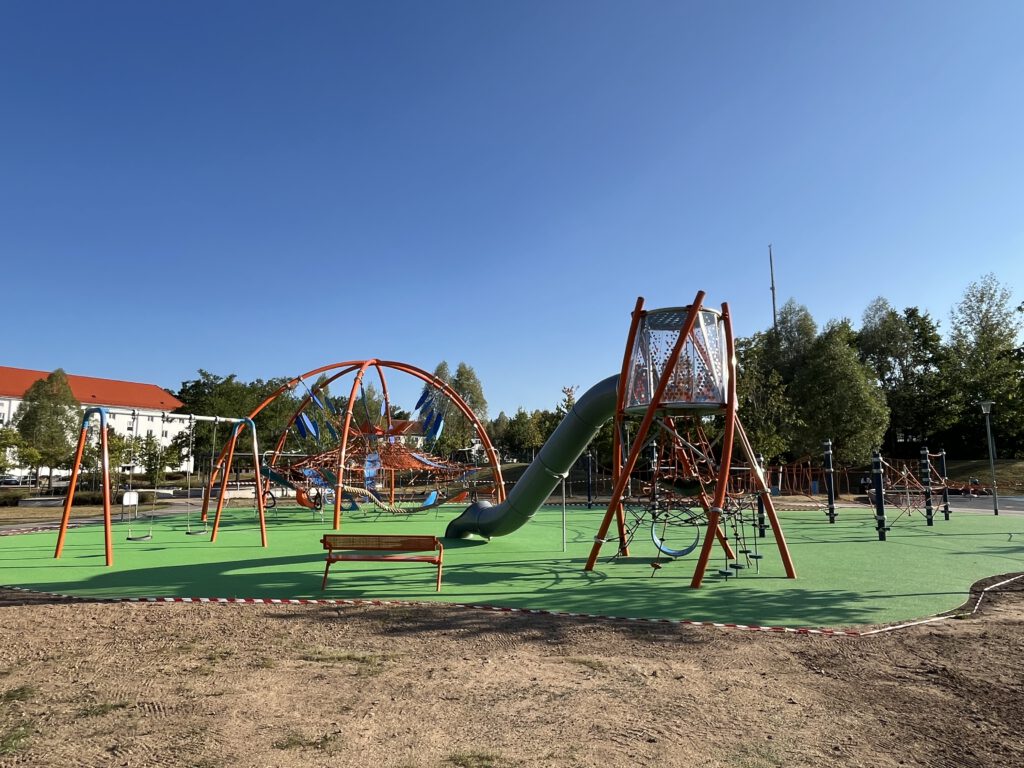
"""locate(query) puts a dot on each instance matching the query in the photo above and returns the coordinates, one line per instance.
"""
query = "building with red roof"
(148, 402)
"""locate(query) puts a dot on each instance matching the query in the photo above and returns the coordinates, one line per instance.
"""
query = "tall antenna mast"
(771, 266)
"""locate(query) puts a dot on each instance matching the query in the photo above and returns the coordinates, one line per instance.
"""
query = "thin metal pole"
(992, 463)
(771, 266)
(878, 481)
(830, 488)
(563, 513)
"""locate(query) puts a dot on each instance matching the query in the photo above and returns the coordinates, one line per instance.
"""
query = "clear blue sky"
(261, 188)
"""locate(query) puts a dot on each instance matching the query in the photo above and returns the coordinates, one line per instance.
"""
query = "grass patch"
(98, 710)
(595, 664)
(21, 693)
(477, 760)
(757, 756)
(326, 743)
(367, 664)
(14, 739)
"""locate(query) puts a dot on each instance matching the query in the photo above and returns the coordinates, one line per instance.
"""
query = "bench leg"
(439, 563)
(326, 570)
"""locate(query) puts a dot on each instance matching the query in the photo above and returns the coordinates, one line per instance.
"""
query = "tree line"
(894, 383)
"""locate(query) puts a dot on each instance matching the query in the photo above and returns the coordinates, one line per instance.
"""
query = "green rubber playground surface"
(846, 576)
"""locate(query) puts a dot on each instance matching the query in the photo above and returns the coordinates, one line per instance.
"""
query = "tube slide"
(564, 446)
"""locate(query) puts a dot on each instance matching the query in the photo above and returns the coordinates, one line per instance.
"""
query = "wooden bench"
(342, 546)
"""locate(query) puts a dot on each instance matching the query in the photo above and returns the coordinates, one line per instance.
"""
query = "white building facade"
(138, 409)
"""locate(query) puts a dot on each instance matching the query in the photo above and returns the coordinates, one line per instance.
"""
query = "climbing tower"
(678, 368)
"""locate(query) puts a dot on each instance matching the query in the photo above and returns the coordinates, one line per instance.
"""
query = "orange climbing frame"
(695, 377)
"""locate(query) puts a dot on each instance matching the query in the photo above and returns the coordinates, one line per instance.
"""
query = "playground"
(490, 605)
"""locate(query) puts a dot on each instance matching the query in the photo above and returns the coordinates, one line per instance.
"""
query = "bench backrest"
(393, 543)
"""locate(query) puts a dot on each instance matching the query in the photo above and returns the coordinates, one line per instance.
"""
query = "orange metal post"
(75, 470)
(230, 448)
(620, 400)
(769, 505)
(71, 491)
(728, 432)
(344, 442)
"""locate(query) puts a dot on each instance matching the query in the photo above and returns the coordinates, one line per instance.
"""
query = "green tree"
(458, 430)
(522, 436)
(154, 458)
(568, 400)
(767, 414)
(985, 364)
(906, 354)
(48, 420)
(496, 431)
(792, 339)
(213, 395)
(836, 397)
(10, 440)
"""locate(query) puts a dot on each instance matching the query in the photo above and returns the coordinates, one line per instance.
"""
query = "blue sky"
(262, 188)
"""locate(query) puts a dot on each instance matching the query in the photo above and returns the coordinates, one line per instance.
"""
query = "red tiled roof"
(91, 391)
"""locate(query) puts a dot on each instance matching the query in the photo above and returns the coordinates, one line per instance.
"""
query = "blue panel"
(300, 427)
(423, 397)
(311, 426)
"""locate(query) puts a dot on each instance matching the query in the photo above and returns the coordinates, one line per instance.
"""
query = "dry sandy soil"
(88, 684)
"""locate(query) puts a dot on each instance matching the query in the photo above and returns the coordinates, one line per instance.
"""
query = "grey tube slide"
(565, 445)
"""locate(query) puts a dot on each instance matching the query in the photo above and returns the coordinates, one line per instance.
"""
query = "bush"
(10, 498)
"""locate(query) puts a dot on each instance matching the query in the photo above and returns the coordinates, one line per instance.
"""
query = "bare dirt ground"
(89, 684)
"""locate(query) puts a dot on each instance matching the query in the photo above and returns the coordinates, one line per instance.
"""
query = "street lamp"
(986, 408)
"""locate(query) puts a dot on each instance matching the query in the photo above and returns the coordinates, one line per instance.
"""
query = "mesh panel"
(699, 379)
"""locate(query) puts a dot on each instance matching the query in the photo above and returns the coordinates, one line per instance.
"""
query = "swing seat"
(737, 566)
(725, 573)
(146, 537)
(756, 557)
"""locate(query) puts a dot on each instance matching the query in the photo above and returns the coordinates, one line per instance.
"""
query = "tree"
(906, 354)
(837, 398)
(213, 395)
(458, 430)
(10, 440)
(985, 364)
(496, 431)
(792, 339)
(768, 416)
(568, 400)
(47, 420)
(154, 458)
(521, 435)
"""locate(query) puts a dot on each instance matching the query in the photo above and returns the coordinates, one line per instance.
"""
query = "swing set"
(130, 499)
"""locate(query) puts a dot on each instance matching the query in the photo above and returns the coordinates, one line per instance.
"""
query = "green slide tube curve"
(565, 445)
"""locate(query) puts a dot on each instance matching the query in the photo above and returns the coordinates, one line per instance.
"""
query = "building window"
(149, 433)
(150, 418)
(165, 433)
